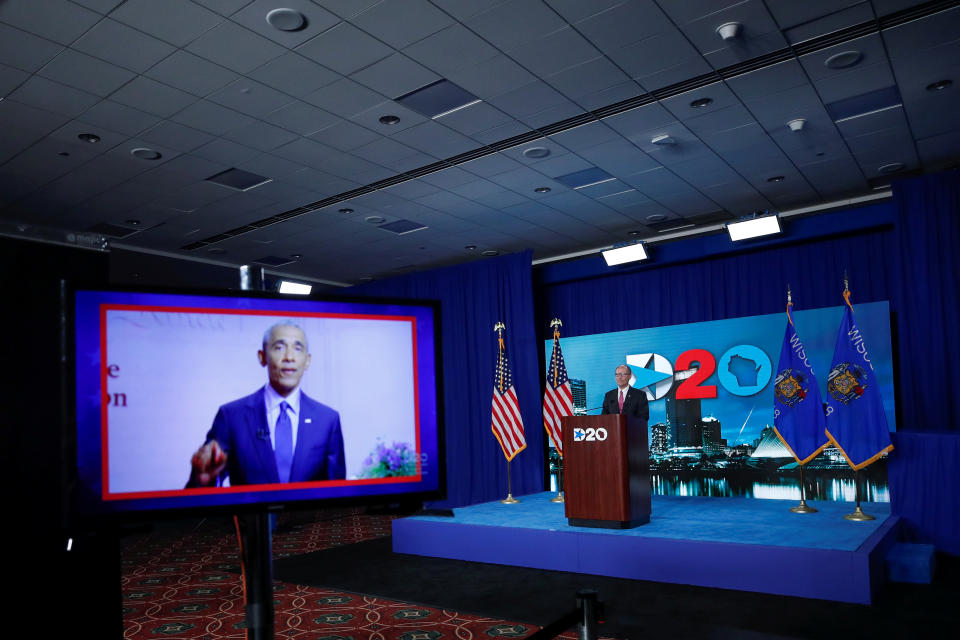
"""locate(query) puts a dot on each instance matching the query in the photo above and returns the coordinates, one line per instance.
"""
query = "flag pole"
(858, 515)
(555, 324)
(802, 507)
(509, 499)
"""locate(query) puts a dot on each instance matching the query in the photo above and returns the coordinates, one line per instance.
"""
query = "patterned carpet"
(184, 582)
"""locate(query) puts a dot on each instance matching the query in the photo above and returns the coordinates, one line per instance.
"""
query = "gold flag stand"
(858, 515)
(509, 499)
(802, 507)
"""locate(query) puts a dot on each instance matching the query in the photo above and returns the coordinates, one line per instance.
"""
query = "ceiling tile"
(235, 48)
(120, 117)
(80, 71)
(53, 96)
(24, 50)
(395, 76)
(261, 135)
(175, 21)
(35, 16)
(402, 22)
(117, 43)
(211, 118)
(345, 98)
(344, 48)
(515, 22)
(250, 97)
(191, 73)
(293, 74)
(153, 97)
(624, 24)
(176, 136)
(450, 49)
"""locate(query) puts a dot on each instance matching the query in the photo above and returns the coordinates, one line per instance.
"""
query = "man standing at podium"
(625, 399)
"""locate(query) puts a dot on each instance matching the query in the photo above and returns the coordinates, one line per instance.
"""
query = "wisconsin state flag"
(797, 408)
(856, 422)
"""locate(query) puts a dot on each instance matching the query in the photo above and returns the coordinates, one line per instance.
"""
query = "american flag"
(506, 423)
(557, 397)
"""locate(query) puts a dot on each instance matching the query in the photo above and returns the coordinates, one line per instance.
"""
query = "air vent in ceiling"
(584, 178)
(438, 99)
(401, 227)
(869, 102)
(239, 179)
(112, 230)
(274, 261)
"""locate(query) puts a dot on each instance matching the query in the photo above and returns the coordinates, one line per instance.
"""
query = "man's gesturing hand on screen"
(208, 462)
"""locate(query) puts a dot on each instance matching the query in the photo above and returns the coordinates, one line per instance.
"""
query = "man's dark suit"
(241, 430)
(635, 404)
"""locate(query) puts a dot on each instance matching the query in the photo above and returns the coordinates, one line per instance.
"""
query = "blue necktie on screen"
(283, 443)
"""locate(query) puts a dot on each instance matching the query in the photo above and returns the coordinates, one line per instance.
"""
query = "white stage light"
(622, 255)
(754, 228)
(296, 288)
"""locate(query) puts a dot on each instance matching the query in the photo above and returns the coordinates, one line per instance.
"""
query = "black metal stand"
(256, 546)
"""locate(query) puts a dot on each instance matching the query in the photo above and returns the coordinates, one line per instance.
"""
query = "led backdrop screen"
(153, 369)
(710, 387)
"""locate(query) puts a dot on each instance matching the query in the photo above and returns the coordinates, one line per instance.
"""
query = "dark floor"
(634, 609)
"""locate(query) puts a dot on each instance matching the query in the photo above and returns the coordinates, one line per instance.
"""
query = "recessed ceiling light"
(92, 138)
(296, 256)
(375, 219)
(295, 288)
(656, 217)
(365, 278)
(542, 190)
(939, 85)
(286, 19)
(132, 222)
(776, 179)
(664, 139)
(345, 210)
(536, 152)
(389, 119)
(146, 154)
(471, 247)
(634, 233)
(843, 60)
(699, 103)
(893, 167)
(490, 252)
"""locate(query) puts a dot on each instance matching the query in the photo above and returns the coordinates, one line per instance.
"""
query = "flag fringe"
(869, 461)
(794, 454)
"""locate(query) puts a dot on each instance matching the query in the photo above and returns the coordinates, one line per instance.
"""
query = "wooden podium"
(606, 471)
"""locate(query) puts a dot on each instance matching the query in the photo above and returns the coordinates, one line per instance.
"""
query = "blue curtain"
(924, 473)
(473, 298)
(928, 229)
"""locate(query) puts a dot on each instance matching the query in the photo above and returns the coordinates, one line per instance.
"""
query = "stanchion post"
(587, 603)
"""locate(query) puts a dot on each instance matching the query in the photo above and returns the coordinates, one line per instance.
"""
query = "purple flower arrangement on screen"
(399, 459)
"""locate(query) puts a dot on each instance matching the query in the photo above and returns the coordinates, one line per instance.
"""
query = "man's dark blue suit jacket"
(242, 431)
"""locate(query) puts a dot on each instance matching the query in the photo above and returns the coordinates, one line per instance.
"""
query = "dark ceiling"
(588, 122)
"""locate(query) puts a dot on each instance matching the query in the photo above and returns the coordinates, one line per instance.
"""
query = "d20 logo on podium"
(589, 434)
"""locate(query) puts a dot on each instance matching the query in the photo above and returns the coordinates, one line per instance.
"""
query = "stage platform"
(729, 543)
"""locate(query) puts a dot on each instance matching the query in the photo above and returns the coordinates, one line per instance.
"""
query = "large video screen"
(192, 401)
(710, 427)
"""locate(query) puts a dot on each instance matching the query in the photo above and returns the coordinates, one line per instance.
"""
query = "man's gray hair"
(284, 323)
(623, 366)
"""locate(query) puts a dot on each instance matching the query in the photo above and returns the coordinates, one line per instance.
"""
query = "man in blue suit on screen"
(276, 434)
